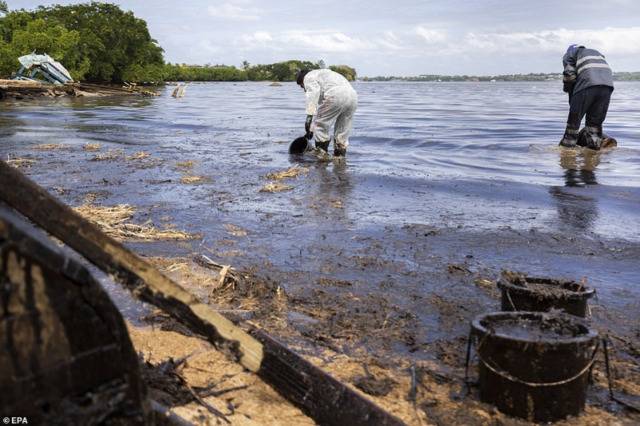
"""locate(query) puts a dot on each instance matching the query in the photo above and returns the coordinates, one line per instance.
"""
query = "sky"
(391, 37)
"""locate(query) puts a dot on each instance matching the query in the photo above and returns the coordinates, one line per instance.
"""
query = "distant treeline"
(281, 71)
(101, 42)
(620, 76)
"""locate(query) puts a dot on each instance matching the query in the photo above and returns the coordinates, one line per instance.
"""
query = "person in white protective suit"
(332, 100)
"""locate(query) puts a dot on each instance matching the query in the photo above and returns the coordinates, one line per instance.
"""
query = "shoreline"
(360, 331)
(24, 89)
(390, 293)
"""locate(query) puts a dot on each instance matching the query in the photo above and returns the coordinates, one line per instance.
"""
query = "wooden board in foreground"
(65, 354)
(319, 395)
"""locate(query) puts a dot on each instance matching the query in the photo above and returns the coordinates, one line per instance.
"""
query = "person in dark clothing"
(588, 80)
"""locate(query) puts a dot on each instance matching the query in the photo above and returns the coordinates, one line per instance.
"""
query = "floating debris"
(188, 179)
(91, 197)
(91, 147)
(59, 190)
(50, 146)
(234, 230)
(484, 283)
(114, 221)
(276, 187)
(20, 163)
(185, 165)
(141, 155)
(180, 90)
(112, 154)
(458, 269)
(291, 172)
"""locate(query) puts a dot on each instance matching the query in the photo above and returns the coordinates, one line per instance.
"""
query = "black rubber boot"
(339, 152)
(570, 138)
(323, 146)
(593, 137)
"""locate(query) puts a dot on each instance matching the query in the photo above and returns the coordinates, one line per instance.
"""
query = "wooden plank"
(322, 397)
(66, 356)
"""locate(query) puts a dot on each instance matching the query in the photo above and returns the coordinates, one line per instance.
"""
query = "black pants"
(592, 101)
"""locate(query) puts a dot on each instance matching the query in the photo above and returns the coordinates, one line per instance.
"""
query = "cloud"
(259, 37)
(389, 41)
(234, 11)
(323, 41)
(431, 36)
(609, 40)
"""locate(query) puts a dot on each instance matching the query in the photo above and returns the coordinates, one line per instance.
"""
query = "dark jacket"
(583, 68)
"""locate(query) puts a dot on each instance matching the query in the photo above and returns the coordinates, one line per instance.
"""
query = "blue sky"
(392, 37)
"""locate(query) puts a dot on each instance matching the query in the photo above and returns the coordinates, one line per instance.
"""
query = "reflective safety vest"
(587, 67)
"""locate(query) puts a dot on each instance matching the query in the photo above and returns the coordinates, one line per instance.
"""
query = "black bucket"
(299, 145)
(524, 293)
(534, 365)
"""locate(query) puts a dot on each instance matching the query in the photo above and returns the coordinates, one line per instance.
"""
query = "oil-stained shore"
(375, 278)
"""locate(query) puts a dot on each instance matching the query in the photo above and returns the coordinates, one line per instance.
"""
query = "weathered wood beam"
(321, 396)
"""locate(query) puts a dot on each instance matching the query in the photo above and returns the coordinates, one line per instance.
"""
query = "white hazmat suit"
(332, 100)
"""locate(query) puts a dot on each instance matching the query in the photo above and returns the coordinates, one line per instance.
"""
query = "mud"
(545, 287)
(535, 330)
(376, 261)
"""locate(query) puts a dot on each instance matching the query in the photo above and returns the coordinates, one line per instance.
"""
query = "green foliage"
(101, 42)
(280, 71)
(348, 72)
(203, 73)
(113, 40)
(626, 76)
(95, 41)
(150, 73)
(60, 43)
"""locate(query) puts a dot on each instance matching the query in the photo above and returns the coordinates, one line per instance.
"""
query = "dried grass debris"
(91, 147)
(50, 146)
(235, 230)
(111, 155)
(291, 172)
(20, 163)
(114, 221)
(140, 155)
(191, 180)
(276, 187)
(185, 165)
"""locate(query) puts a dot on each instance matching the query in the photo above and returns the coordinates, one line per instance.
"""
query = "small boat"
(44, 66)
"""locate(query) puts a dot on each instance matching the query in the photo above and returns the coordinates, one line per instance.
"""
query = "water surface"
(436, 173)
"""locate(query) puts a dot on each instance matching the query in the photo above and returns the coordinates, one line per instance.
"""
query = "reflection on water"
(579, 166)
(575, 211)
(476, 155)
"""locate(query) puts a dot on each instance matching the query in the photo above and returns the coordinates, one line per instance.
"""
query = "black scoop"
(299, 145)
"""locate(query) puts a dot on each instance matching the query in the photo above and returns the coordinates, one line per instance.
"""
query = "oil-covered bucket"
(535, 294)
(534, 365)
(299, 145)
